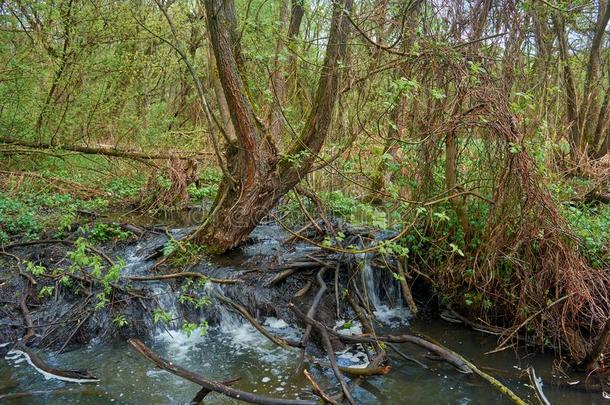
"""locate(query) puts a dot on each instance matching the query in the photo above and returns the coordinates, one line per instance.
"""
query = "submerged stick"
(203, 392)
(79, 376)
(310, 314)
(214, 386)
(333, 364)
(537, 386)
(317, 390)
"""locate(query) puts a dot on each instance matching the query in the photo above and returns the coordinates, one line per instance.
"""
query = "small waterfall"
(372, 285)
(373, 280)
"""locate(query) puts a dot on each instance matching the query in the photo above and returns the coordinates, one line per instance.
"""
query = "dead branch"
(214, 386)
(317, 390)
(597, 350)
(283, 343)
(184, 275)
(537, 386)
(203, 392)
(333, 363)
(105, 151)
(311, 314)
(406, 290)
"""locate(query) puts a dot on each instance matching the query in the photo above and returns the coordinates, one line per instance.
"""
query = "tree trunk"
(568, 77)
(259, 178)
(590, 110)
(278, 79)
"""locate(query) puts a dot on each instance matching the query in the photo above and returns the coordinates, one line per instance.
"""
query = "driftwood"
(214, 386)
(333, 364)
(443, 353)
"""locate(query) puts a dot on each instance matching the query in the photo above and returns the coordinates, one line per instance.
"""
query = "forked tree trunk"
(259, 178)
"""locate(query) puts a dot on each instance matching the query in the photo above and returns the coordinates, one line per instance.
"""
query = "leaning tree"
(257, 174)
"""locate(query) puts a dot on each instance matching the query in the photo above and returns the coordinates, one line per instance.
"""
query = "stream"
(233, 348)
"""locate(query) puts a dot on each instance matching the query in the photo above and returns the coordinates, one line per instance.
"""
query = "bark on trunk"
(259, 178)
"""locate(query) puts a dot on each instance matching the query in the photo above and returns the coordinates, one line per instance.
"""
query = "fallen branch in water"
(184, 275)
(311, 314)
(333, 364)
(203, 392)
(283, 343)
(214, 386)
(537, 386)
(27, 394)
(79, 376)
(445, 354)
(317, 390)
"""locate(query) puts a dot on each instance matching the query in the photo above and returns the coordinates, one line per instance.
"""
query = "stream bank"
(232, 347)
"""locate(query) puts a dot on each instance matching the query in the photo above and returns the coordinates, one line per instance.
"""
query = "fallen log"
(214, 386)
(105, 151)
(183, 275)
(443, 353)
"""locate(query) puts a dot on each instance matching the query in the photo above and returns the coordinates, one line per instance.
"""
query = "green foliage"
(34, 269)
(46, 291)
(592, 225)
(124, 187)
(183, 252)
(354, 211)
(202, 193)
(189, 328)
(102, 232)
(120, 320)
(161, 316)
(17, 218)
(25, 214)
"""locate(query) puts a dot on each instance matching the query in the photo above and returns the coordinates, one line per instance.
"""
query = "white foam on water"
(392, 317)
(275, 323)
(178, 343)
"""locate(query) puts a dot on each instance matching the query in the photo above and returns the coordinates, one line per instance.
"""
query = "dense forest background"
(478, 129)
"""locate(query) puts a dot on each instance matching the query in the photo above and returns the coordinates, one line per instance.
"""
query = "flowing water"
(233, 348)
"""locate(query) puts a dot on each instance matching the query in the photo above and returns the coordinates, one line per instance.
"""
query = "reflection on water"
(238, 350)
